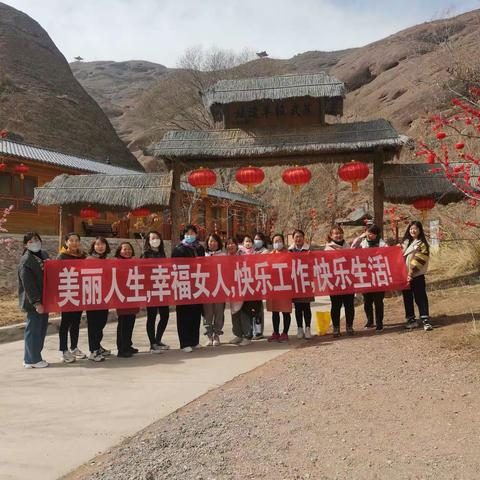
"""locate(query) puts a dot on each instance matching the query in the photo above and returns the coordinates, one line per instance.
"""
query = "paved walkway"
(55, 419)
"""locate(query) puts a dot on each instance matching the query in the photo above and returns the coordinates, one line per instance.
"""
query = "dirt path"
(400, 405)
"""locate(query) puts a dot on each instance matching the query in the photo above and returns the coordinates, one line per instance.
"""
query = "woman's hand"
(39, 308)
(409, 278)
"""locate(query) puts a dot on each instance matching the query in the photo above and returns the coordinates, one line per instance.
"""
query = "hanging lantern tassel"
(353, 172)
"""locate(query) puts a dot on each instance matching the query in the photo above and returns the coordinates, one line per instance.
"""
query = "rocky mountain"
(42, 102)
(400, 78)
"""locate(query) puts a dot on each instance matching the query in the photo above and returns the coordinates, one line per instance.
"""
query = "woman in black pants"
(70, 322)
(371, 239)
(126, 316)
(189, 316)
(154, 249)
(97, 319)
(336, 241)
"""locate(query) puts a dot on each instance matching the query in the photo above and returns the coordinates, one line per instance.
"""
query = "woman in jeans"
(154, 248)
(30, 292)
(97, 319)
(70, 322)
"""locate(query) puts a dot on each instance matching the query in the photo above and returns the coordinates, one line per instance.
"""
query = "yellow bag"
(322, 322)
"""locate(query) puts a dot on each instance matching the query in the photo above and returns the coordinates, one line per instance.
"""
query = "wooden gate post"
(176, 202)
(378, 190)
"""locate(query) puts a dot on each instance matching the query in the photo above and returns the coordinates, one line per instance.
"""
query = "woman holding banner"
(336, 241)
(126, 316)
(30, 292)
(70, 322)
(189, 316)
(371, 239)
(279, 305)
(154, 249)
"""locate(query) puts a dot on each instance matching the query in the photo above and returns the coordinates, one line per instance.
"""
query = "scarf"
(340, 244)
(246, 251)
(80, 254)
(193, 245)
(373, 243)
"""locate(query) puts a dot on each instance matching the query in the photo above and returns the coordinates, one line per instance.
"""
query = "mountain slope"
(43, 103)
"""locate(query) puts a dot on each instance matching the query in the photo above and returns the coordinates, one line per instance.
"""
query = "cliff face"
(42, 102)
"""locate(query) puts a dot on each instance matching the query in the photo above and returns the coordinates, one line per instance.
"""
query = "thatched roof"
(121, 191)
(329, 141)
(405, 183)
(280, 87)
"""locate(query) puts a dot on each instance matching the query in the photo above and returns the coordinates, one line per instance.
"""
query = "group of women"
(247, 317)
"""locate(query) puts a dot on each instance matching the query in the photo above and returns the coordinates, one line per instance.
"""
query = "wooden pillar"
(176, 202)
(378, 190)
(322, 109)
(63, 224)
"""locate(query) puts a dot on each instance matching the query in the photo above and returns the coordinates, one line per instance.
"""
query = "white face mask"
(35, 247)
(277, 245)
(155, 243)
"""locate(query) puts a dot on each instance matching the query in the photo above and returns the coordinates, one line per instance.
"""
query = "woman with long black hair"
(189, 316)
(154, 248)
(30, 292)
(416, 252)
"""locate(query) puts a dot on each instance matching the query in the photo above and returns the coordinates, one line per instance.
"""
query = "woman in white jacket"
(213, 313)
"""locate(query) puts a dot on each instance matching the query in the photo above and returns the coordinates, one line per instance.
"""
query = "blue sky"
(161, 30)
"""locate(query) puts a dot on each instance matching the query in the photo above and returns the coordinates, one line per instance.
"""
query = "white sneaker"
(156, 349)
(235, 341)
(244, 342)
(196, 347)
(163, 346)
(308, 333)
(216, 340)
(300, 333)
(40, 364)
(209, 342)
(96, 356)
(77, 353)
(67, 357)
(187, 349)
(104, 351)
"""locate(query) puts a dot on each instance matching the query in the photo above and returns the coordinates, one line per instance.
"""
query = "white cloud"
(161, 30)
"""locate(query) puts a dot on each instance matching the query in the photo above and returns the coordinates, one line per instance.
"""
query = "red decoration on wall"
(89, 213)
(3, 166)
(353, 172)
(22, 169)
(202, 179)
(250, 176)
(140, 212)
(296, 176)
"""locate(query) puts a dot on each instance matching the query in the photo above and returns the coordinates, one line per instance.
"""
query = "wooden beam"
(378, 190)
(176, 202)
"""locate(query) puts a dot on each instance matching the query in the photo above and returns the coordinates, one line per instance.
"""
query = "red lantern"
(3, 167)
(89, 213)
(3, 133)
(22, 169)
(250, 176)
(353, 172)
(296, 177)
(424, 205)
(202, 179)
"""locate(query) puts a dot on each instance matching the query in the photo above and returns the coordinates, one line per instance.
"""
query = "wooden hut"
(115, 195)
(280, 120)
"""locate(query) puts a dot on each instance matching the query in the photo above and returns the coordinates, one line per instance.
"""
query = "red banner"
(116, 283)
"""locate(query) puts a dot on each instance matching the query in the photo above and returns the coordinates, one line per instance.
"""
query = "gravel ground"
(398, 405)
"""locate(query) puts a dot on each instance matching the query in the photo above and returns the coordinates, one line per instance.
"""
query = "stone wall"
(9, 257)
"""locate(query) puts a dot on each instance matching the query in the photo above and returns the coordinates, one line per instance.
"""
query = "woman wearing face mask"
(154, 249)
(279, 305)
(302, 305)
(189, 316)
(97, 319)
(71, 250)
(336, 241)
(214, 313)
(254, 308)
(126, 316)
(371, 239)
(30, 292)
(416, 252)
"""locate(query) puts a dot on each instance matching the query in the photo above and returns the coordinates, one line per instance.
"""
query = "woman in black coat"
(189, 316)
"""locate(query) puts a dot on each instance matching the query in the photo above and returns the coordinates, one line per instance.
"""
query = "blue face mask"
(190, 238)
(258, 243)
